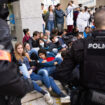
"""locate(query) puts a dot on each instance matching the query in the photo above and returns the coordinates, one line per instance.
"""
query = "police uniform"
(90, 55)
(11, 84)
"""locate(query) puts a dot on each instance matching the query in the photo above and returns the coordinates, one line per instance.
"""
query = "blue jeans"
(33, 50)
(25, 73)
(49, 70)
(48, 81)
(50, 25)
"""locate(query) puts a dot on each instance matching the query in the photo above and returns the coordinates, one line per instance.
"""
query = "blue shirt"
(85, 35)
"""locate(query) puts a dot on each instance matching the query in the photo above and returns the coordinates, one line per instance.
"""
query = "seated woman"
(30, 51)
(27, 71)
(48, 62)
(33, 52)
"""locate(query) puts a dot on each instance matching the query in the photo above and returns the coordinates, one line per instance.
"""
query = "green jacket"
(47, 17)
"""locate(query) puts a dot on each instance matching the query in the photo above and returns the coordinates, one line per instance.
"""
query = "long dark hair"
(25, 31)
(49, 8)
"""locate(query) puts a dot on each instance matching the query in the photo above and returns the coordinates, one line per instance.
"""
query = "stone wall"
(27, 15)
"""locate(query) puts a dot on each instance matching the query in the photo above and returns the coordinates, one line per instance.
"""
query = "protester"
(87, 32)
(27, 71)
(82, 20)
(69, 20)
(59, 17)
(27, 35)
(34, 40)
(50, 19)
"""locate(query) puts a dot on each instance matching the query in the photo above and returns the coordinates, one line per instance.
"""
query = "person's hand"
(63, 49)
(30, 71)
(55, 63)
(44, 61)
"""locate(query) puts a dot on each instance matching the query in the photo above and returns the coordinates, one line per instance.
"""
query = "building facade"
(100, 3)
(89, 3)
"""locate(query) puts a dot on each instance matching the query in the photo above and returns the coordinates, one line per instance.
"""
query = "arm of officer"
(72, 59)
(10, 82)
(64, 71)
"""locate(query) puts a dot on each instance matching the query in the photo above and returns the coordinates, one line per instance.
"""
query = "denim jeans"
(50, 25)
(49, 70)
(48, 81)
(34, 50)
(25, 73)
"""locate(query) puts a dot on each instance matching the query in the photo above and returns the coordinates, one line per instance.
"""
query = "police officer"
(90, 55)
(11, 84)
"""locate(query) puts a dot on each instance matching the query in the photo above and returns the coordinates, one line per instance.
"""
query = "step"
(35, 98)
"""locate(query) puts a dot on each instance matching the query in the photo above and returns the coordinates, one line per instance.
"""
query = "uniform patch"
(4, 55)
(96, 46)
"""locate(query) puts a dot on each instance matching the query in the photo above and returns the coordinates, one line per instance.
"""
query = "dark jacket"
(11, 83)
(59, 16)
(33, 43)
(47, 16)
(90, 55)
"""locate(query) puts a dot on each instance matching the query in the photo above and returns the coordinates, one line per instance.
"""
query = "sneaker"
(65, 99)
(48, 98)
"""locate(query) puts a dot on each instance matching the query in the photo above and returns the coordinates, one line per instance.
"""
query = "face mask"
(45, 40)
(42, 44)
(56, 40)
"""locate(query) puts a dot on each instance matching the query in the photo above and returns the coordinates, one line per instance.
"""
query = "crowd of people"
(74, 56)
(39, 56)
(76, 16)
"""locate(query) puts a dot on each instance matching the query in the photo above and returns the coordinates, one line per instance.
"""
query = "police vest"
(94, 63)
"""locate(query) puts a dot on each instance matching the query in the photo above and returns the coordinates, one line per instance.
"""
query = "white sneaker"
(65, 99)
(48, 98)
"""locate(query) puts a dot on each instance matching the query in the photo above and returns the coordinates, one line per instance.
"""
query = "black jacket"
(90, 55)
(11, 83)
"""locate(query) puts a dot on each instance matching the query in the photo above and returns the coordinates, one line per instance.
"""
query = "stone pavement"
(35, 98)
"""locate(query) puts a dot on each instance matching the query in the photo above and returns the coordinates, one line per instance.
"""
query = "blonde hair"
(18, 56)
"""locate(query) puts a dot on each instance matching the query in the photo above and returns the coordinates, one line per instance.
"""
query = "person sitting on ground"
(47, 33)
(46, 39)
(56, 44)
(33, 52)
(28, 73)
(87, 32)
(54, 32)
(41, 35)
(61, 41)
(80, 35)
(27, 37)
(34, 40)
(48, 62)
(42, 44)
